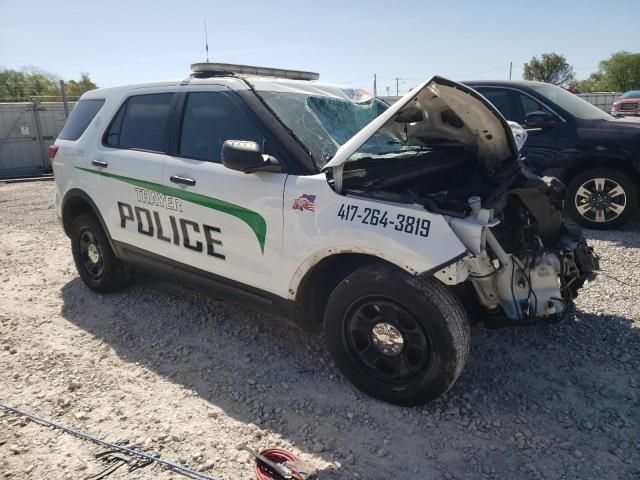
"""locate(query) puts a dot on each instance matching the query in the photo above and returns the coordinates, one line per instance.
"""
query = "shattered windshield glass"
(324, 122)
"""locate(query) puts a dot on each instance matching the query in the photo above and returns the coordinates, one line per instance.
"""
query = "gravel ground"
(192, 377)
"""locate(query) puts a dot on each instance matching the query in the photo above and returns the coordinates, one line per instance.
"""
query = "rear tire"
(95, 261)
(398, 338)
(601, 198)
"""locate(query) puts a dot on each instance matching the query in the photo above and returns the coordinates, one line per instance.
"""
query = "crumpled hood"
(444, 110)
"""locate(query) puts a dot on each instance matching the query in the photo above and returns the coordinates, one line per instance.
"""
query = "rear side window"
(141, 123)
(80, 118)
(209, 119)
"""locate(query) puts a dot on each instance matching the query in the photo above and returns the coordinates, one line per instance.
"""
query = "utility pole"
(397, 86)
(375, 86)
(510, 69)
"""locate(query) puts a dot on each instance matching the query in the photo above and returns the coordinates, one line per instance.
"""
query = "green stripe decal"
(255, 221)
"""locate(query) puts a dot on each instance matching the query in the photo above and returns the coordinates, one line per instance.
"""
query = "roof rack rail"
(201, 70)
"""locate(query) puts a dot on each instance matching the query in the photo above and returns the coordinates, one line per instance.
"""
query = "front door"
(229, 223)
(542, 148)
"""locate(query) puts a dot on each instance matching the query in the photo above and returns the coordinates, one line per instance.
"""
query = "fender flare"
(76, 193)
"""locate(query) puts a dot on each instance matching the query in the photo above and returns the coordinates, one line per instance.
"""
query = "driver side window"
(530, 105)
(514, 105)
(208, 120)
(503, 100)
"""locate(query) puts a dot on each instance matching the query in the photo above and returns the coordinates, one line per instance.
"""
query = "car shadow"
(265, 371)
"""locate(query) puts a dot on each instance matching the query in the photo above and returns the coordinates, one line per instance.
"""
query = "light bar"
(250, 70)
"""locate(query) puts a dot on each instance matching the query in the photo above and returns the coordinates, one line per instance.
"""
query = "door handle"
(99, 163)
(182, 180)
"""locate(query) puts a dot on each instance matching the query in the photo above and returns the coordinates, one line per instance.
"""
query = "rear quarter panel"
(74, 153)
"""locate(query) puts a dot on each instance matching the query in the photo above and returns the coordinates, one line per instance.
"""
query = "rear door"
(230, 223)
(127, 168)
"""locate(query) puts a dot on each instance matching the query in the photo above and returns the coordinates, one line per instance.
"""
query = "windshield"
(573, 104)
(324, 122)
(631, 94)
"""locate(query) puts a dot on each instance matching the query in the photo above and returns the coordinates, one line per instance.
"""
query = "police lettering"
(180, 231)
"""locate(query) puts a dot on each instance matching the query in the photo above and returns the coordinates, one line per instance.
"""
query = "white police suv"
(391, 226)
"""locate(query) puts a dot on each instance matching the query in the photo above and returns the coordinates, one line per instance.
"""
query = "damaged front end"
(525, 264)
(444, 147)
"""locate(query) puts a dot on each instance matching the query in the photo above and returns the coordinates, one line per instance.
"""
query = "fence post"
(36, 117)
(63, 94)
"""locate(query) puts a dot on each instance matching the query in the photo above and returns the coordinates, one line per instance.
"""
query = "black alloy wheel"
(387, 339)
(91, 253)
(396, 337)
(95, 261)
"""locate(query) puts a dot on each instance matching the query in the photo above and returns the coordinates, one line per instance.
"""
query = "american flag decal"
(305, 202)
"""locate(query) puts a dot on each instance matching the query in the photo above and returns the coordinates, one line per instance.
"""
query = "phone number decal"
(380, 218)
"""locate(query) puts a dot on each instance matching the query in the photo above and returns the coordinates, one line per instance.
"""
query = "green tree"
(21, 85)
(595, 83)
(77, 88)
(621, 71)
(26, 83)
(12, 84)
(550, 68)
(40, 82)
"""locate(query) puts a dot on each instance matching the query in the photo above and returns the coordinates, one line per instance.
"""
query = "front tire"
(398, 338)
(96, 263)
(601, 198)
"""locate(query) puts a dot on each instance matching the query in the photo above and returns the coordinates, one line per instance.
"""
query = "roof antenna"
(206, 40)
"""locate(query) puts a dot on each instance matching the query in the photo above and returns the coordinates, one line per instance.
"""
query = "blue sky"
(120, 42)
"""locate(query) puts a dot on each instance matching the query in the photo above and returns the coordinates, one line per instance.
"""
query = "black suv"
(596, 155)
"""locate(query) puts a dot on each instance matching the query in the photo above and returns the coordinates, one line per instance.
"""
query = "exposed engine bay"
(453, 154)
(524, 260)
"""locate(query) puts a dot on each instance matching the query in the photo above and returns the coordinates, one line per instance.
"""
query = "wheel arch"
(74, 203)
(594, 161)
(311, 287)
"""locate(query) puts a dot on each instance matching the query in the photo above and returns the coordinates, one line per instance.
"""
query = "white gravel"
(191, 377)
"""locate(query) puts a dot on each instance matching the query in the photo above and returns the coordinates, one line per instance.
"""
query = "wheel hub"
(387, 339)
(93, 253)
(600, 200)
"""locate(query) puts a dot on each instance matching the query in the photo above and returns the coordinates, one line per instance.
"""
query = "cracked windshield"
(324, 122)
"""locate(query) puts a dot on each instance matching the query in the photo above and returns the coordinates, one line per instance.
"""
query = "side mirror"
(519, 134)
(539, 120)
(246, 156)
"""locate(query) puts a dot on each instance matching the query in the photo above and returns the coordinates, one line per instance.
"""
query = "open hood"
(437, 111)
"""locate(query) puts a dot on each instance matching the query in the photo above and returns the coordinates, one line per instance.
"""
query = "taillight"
(51, 152)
